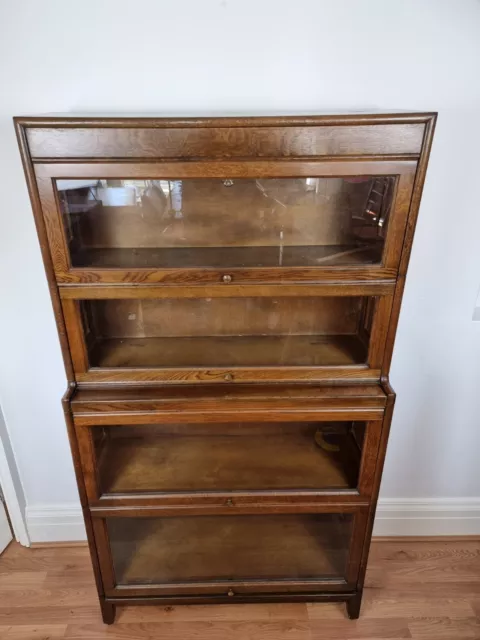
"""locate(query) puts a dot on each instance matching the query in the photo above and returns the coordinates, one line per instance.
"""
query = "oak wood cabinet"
(227, 292)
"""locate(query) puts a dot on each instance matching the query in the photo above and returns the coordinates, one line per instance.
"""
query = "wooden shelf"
(244, 457)
(229, 351)
(225, 257)
(202, 548)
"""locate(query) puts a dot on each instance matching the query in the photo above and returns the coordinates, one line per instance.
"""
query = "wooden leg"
(353, 606)
(108, 611)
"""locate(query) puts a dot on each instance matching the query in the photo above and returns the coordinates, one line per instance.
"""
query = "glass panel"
(239, 456)
(227, 332)
(203, 548)
(226, 223)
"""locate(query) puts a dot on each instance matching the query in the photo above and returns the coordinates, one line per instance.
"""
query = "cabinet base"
(352, 601)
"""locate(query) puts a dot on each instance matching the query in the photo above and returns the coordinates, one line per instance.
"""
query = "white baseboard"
(55, 523)
(427, 517)
(395, 517)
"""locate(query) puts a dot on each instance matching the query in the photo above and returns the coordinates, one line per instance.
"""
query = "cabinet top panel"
(233, 137)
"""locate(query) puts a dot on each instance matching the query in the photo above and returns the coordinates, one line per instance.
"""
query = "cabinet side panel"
(82, 492)
(382, 450)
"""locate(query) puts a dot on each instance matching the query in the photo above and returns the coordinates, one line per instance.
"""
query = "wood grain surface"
(59, 602)
(420, 590)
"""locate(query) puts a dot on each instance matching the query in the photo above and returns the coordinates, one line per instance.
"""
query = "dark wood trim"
(355, 374)
(379, 331)
(134, 120)
(336, 596)
(347, 157)
(335, 505)
(208, 168)
(82, 491)
(269, 413)
(247, 139)
(118, 292)
(382, 450)
(104, 554)
(75, 334)
(272, 276)
(229, 501)
(369, 458)
(360, 524)
(221, 588)
(119, 398)
(88, 463)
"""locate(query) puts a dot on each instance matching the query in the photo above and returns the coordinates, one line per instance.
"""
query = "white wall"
(261, 57)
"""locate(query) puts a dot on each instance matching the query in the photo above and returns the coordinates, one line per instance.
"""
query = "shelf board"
(225, 257)
(202, 548)
(288, 458)
(229, 351)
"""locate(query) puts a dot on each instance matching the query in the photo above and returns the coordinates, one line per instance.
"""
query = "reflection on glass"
(228, 332)
(205, 548)
(204, 457)
(226, 223)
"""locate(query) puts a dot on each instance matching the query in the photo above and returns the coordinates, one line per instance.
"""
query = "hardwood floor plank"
(372, 628)
(45, 616)
(201, 613)
(445, 628)
(22, 579)
(77, 597)
(421, 590)
(476, 606)
(395, 604)
(17, 558)
(194, 630)
(325, 610)
(33, 632)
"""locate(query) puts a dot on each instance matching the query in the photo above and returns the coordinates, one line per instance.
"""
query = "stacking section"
(227, 333)
(227, 292)
(240, 492)
(150, 445)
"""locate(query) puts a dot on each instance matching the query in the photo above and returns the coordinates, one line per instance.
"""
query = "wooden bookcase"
(227, 293)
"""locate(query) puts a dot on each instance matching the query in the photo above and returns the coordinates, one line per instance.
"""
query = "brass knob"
(230, 592)
(228, 377)
(227, 278)
(229, 502)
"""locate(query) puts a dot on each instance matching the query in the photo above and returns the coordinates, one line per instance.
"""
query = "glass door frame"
(234, 587)
(371, 370)
(47, 173)
(224, 500)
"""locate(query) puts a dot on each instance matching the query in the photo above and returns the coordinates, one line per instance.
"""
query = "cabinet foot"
(353, 606)
(108, 612)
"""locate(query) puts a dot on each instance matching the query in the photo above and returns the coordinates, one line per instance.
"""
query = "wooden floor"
(415, 590)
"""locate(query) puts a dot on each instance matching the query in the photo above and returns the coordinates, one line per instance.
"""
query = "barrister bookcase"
(227, 293)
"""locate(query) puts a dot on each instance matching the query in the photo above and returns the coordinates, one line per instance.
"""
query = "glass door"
(235, 458)
(230, 555)
(249, 221)
(203, 223)
(233, 338)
